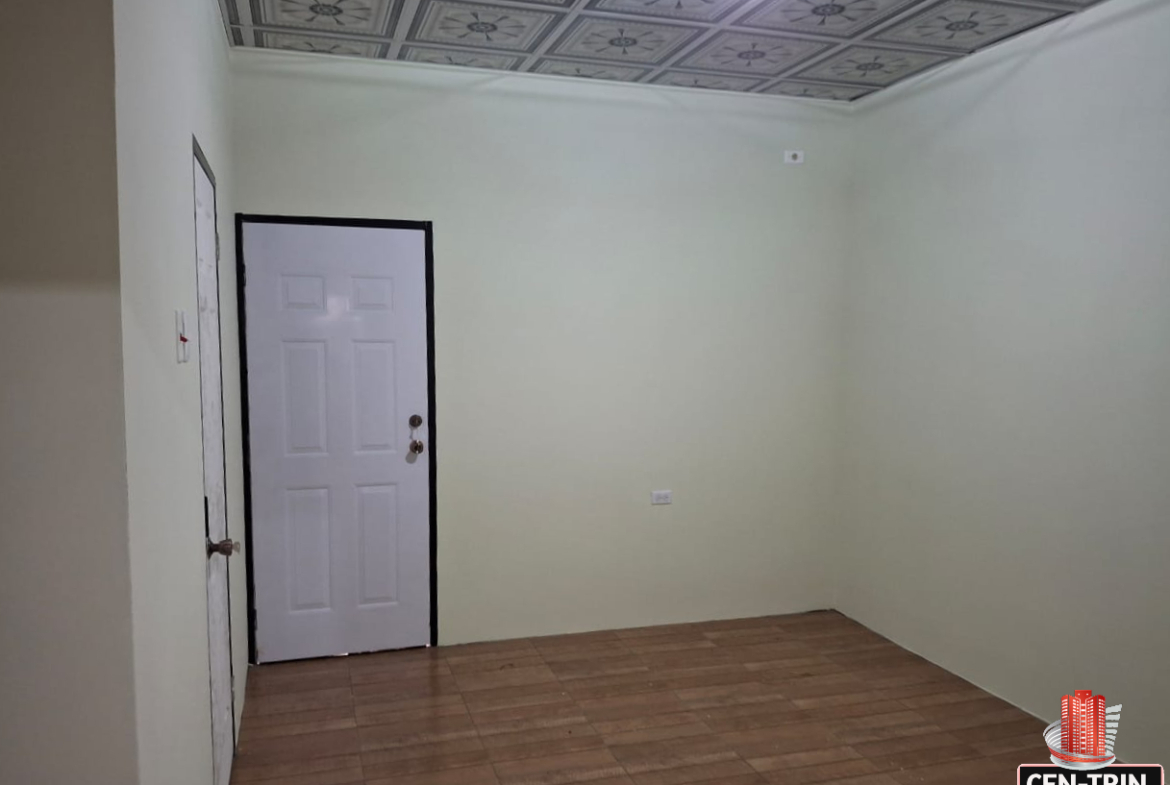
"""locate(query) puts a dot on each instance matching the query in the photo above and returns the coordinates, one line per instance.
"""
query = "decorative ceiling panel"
(965, 25)
(691, 10)
(435, 56)
(318, 44)
(706, 81)
(483, 26)
(837, 18)
(835, 50)
(750, 53)
(614, 73)
(832, 92)
(622, 40)
(868, 66)
(359, 17)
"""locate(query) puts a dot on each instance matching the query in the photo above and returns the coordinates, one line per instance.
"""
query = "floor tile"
(324, 768)
(412, 732)
(721, 771)
(789, 700)
(280, 703)
(288, 749)
(822, 772)
(504, 677)
(542, 742)
(794, 760)
(557, 769)
(424, 764)
(470, 775)
(672, 754)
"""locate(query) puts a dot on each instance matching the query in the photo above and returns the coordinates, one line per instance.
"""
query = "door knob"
(223, 548)
(416, 446)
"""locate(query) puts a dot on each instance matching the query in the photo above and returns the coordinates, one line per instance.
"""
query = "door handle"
(223, 548)
(415, 422)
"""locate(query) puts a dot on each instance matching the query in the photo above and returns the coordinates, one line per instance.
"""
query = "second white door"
(337, 364)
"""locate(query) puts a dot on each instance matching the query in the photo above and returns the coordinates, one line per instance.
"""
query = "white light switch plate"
(661, 497)
(182, 340)
(794, 156)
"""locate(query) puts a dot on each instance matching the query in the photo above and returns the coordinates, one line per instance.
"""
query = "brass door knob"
(223, 548)
(416, 446)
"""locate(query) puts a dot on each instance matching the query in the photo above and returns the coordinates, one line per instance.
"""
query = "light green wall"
(919, 378)
(171, 85)
(633, 292)
(1007, 387)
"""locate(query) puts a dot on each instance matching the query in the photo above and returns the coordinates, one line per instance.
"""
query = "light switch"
(661, 497)
(182, 341)
(794, 156)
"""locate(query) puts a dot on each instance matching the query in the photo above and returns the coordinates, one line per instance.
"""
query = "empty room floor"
(804, 698)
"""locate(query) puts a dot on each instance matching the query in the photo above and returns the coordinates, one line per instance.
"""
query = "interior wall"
(1007, 393)
(632, 292)
(66, 676)
(172, 85)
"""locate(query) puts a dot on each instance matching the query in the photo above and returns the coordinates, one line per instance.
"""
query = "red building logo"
(1086, 732)
(1082, 723)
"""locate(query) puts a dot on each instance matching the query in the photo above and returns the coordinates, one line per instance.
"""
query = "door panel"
(336, 335)
(374, 414)
(304, 396)
(309, 537)
(378, 526)
(214, 484)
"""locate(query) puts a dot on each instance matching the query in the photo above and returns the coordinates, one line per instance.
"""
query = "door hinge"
(206, 518)
(217, 245)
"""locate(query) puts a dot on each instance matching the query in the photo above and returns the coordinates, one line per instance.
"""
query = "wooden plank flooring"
(806, 698)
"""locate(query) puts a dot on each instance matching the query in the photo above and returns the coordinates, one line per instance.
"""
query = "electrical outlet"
(661, 497)
(794, 156)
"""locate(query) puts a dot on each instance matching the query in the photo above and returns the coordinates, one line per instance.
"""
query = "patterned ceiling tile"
(870, 66)
(230, 13)
(318, 44)
(361, 17)
(706, 81)
(965, 25)
(483, 26)
(831, 92)
(554, 3)
(753, 54)
(843, 18)
(695, 10)
(435, 56)
(614, 73)
(836, 50)
(623, 41)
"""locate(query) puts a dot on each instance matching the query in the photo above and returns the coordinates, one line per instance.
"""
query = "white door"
(336, 338)
(223, 720)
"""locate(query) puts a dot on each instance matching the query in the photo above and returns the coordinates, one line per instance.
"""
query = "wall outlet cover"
(661, 497)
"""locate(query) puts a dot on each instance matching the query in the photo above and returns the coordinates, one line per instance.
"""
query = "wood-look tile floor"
(795, 699)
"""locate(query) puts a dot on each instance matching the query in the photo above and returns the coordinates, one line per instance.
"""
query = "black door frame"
(241, 292)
